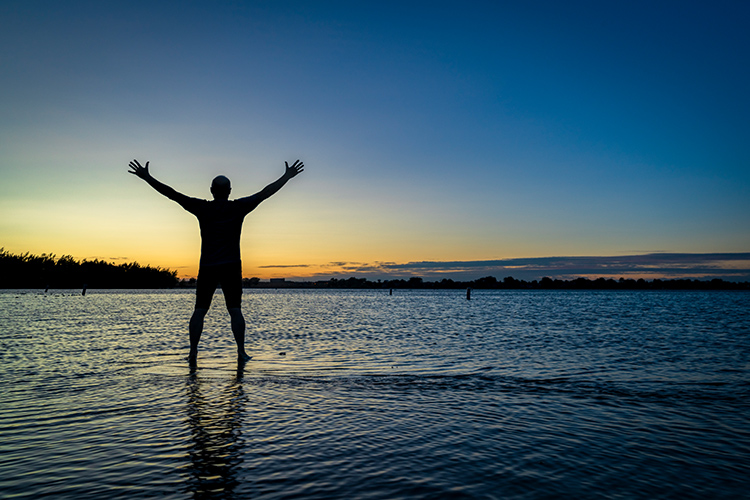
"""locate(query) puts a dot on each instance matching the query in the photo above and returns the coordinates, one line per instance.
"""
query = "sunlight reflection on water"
(416, 395)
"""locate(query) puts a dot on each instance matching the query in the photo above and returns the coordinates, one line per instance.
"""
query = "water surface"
(358, 394)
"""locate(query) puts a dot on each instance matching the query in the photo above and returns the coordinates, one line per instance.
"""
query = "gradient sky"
(440, 138)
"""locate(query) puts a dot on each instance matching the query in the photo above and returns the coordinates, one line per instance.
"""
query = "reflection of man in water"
(221, 223)
(217, 448)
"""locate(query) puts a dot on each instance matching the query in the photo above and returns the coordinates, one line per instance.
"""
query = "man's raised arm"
(268, 191)
(160, 187)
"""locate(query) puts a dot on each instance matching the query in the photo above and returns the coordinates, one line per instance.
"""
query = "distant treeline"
(509, 283)
(48, 271)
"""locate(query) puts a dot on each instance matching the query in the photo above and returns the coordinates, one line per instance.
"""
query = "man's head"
(220, 187)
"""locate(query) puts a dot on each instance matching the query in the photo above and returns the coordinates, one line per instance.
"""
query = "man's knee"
(199, 312)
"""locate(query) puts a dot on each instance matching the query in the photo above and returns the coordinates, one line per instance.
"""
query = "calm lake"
(358, 394)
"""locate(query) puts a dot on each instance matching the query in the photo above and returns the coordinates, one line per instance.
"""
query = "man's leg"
(231, 286)
(196, 329)
(238, 329)
(204, 292)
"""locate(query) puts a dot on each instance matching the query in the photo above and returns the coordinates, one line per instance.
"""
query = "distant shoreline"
(27, 271)
(491, 283)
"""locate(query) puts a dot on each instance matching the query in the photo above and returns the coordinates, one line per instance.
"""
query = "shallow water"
(423, 394)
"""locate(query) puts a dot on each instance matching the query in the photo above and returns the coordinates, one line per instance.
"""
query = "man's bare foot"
(243, 356)
(192, 357)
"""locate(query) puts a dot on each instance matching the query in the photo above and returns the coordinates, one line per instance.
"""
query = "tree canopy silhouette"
(42, 271)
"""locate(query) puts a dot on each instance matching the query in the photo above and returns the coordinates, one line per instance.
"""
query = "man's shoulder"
(193, 204)
(253, 198)
(197, 201)
(247, 203)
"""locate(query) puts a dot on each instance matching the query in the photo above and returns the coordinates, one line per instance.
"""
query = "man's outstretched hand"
(290, 172)
(138, 170)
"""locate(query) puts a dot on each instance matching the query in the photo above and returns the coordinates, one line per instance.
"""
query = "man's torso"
(221, 226)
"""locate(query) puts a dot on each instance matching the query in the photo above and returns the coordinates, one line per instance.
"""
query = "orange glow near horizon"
(261, 261)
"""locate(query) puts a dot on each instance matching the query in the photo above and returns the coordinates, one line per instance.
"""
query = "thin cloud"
(729, 266)
(667, 264)
(283, 266)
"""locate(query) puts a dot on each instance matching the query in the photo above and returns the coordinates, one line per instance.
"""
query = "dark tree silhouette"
(42, 271)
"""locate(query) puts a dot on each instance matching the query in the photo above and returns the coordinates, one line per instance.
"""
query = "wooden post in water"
(391, 292)
(468, 294)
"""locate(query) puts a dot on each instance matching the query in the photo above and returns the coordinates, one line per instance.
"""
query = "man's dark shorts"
(229, 276)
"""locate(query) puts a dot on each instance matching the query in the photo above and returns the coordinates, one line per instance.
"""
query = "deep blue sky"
(440, 131)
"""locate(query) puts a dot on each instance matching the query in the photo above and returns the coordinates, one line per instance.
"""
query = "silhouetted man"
(221, 224)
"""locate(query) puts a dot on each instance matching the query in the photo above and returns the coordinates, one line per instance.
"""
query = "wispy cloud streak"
(728, 266)
(283, 266)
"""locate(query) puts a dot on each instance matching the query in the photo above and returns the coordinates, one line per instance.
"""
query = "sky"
(440, 139)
